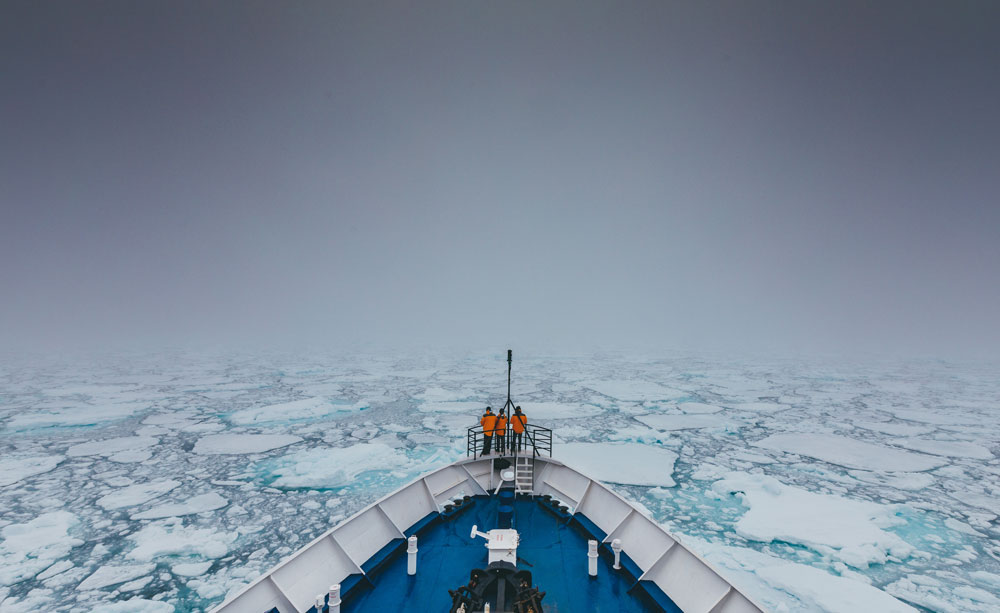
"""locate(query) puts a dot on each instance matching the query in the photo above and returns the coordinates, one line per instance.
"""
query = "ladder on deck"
(524, 474)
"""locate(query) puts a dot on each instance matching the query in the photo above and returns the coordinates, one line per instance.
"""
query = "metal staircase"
(524, 474)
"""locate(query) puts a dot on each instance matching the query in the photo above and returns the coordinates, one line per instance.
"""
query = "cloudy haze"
(779, 175)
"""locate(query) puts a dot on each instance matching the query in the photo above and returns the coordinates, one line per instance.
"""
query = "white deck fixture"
(616, 546)
(411, 555)
(592, 558)
(502, 544)
(334, 598)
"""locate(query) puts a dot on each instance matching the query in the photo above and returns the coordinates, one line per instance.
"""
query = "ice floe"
(196, 504)
(14, 469)
(628, 463)
(113, 575)
(113, 446)
(782, 585)
(136, 494)
(217, 444)
(851, 531)
(954, 449)
(304, 409)
(635, 390)
(558, 410)
(172, 538)
(331, 467)
(684, 422)
(850, 452)
(31, 547)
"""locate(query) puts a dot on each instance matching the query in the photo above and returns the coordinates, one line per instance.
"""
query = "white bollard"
(411, 555)
(319, 602)
(616, 546)
(335, 598)
(592, 555)
(486, 608)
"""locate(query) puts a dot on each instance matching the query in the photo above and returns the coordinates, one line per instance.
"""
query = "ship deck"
(554, 544)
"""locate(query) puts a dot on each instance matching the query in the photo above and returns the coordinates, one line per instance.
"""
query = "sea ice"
(558, 410)
(29, 548)
(112, 446)
(698, 407)
(135, 605)
(781, 585)
(683, 422)
(296, 410)
(113, 575)
(215, 444)
(850, 452)
(627, 463)
(954, 449)
(197, 504)
(137, 494)
(332, 466)
(14, 469)
(844, 529)
(171, 537)
(635, 390)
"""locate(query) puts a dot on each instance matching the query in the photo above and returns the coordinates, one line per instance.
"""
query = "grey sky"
(762, 175)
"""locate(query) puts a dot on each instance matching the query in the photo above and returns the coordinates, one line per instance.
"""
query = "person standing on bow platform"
(518, 422)
(489, 422)
(500, 436)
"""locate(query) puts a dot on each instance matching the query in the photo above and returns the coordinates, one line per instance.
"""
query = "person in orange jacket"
(489, 422)
(500, 435)
(518, 422)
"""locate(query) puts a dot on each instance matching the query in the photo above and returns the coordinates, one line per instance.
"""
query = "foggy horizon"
(563, 177)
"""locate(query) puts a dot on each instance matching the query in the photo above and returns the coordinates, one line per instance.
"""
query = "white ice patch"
(452, 407)
(941, 417)
(781, 585)
(757, 407)
(698, 407)
(137, 494)
(215, 444)
(29, 548)
(840, 528)
(850, 453)
(894, 429)
(333, 467)
(192, 569)
(635, 390)
(112, 446)
(900, 481)
(683, 422)
(197, 504)
(171, 537)
(135, 605)
(113, 575)
(628, 463)
(954, 449)
(928, 592)
(307, 408)
(559, 410)
(14, 469)
(76, 416)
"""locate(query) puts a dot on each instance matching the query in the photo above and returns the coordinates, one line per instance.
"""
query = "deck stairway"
(524, 474)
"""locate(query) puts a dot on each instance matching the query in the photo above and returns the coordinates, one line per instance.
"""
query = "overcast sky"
(777, 176)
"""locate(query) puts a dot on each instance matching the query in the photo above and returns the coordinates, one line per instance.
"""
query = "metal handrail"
(538, 437)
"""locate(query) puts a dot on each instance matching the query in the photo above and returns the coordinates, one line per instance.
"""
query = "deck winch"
(501, 543)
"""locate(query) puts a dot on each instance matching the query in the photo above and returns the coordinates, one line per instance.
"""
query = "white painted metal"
(592, 558)
(501, 544)
(411, 555)
(616, 547)
(334, 598)
(524, 475)
(687, 579)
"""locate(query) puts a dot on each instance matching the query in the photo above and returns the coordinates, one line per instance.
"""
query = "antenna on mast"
(510, 360)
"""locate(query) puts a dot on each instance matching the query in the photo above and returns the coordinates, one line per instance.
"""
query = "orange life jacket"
(489, 424)
(501, 425)
(518, 422)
